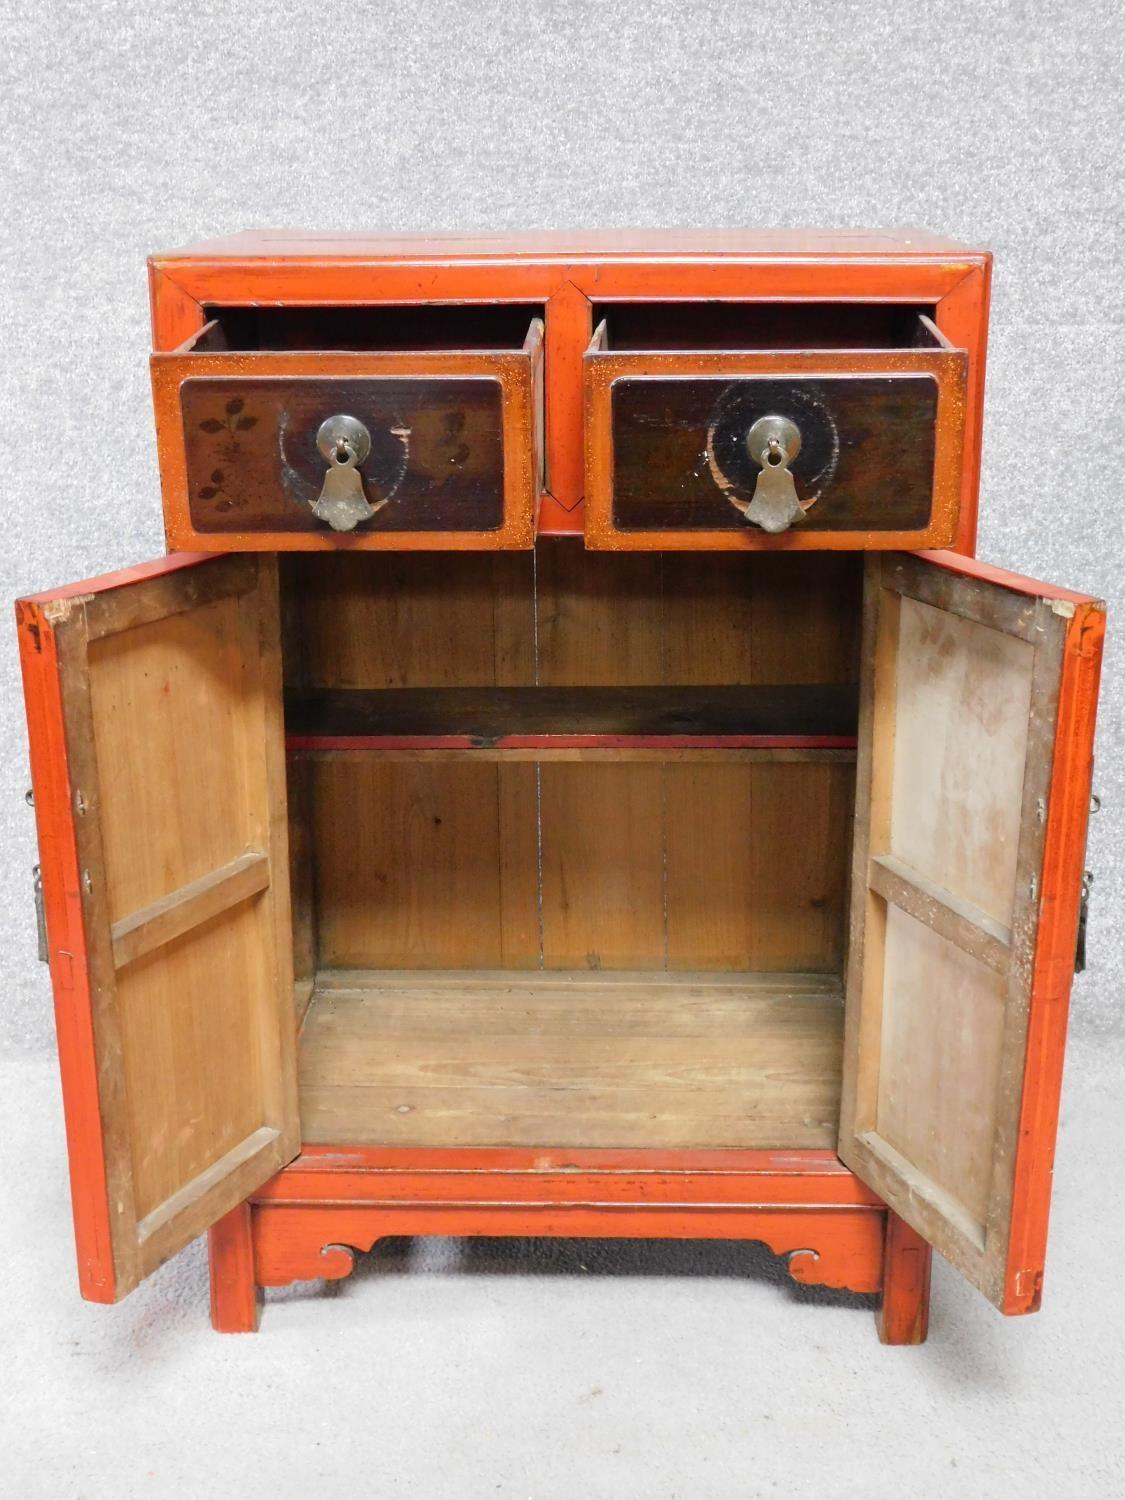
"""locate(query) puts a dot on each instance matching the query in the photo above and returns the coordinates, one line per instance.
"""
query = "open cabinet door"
(973, 788)
(157, 760)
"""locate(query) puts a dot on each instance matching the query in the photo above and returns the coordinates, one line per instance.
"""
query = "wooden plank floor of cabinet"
(652, 1060)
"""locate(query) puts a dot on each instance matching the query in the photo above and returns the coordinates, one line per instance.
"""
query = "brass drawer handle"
(773, 442)
(344, 442)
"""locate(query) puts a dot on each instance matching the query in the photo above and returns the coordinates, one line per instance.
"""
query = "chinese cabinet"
(569, 774)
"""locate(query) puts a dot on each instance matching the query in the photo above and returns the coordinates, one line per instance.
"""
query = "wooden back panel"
(687, 863)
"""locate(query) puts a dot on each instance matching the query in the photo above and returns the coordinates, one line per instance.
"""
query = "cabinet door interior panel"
(973, 783)
(939, 1082)
(177, 685)
(962, 714)
(158, 763)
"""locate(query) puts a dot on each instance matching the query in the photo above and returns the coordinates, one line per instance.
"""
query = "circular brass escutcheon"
(769, 430)
(340, 433)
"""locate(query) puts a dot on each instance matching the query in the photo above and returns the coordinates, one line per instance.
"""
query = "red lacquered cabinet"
(569, 775)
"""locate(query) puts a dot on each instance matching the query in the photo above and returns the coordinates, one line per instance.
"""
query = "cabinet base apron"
(332, 1203)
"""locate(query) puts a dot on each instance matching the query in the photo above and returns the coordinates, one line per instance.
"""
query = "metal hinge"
(40, 915)
(1084, 902)
(1083, 914)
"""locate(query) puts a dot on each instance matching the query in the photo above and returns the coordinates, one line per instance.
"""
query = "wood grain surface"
(564, 1060)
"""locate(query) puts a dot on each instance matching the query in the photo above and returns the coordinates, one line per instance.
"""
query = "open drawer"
(362, 427)
(748, 425)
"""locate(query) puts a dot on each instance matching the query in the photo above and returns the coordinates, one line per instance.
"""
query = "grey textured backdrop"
(129, 128)
(458, 1370)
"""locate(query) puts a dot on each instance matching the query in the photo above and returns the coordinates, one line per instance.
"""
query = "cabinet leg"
(904, 1313)
(235, 1296)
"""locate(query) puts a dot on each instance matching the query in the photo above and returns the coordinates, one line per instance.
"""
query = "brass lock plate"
(343, 442)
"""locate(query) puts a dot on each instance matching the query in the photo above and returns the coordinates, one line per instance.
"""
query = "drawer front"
(451, 448)
(436, 459)
(878, 464)
(866, 459)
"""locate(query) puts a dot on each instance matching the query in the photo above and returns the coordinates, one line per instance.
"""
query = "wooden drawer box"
(680, 400)
(449, 402)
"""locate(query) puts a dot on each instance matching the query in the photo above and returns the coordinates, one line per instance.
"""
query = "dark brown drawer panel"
(877, 460)
(451, 445)
(436, 460)
(866, 460)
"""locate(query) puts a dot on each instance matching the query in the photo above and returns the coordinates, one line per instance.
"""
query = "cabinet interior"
(432, 326)
(544, 890)
(722, 325)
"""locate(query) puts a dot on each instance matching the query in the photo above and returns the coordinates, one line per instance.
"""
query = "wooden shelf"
(470, 1058)
(795, 721)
